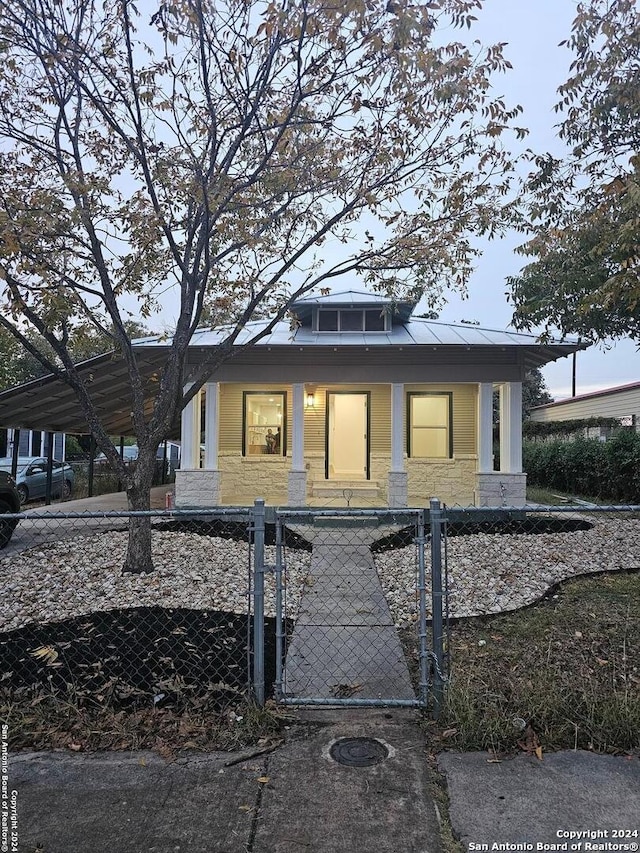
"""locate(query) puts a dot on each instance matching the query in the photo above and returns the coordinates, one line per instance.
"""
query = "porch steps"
(345, 489)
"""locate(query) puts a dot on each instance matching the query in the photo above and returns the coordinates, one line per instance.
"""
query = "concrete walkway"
(345, 643)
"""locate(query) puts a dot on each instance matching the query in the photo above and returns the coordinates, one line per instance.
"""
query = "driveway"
(42, 526)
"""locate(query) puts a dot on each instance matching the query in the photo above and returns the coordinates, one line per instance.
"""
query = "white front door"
(347, 437)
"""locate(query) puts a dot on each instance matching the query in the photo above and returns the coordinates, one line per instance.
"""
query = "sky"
(533, 30)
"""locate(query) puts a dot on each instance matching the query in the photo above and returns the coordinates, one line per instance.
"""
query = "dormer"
(351, 312)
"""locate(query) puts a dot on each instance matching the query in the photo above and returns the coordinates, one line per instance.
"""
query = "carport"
(49, 405)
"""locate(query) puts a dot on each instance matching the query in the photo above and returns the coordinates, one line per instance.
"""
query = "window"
(264, 423)
(429, 425)
(352, 320)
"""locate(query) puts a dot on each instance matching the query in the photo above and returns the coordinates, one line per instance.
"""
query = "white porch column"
(190, 434)
(397, 424)
(195, 486)
(297, 492)
(211, 407)
(511, 428)
(485, 427)
(508, 486)
(398, 479)
(297, 428)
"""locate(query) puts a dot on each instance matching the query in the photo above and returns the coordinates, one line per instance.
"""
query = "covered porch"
(363, 445)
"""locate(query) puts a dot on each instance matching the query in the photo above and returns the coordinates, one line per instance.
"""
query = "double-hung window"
(264, 423)
(429, 417)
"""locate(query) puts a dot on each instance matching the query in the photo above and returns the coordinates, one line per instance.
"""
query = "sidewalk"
(299, 799)
(295, 799)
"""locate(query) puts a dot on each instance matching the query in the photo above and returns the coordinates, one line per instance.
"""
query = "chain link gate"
(337, 637)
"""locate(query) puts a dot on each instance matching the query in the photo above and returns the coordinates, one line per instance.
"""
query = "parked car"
(9, 502)
(129, 454)
(31, 477)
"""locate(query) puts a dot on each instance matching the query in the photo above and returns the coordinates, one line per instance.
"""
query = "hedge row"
(544, 429)
(587, 467)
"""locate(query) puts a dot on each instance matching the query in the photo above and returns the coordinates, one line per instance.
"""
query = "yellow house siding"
(230, 417)
(380, 412)
(464, 415)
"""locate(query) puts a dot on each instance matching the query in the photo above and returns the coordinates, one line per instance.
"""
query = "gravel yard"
(492, 573)
(78, 576)
(488, 573)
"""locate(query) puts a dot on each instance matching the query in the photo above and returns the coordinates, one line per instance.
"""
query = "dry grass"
(569, 664)
(51, 722)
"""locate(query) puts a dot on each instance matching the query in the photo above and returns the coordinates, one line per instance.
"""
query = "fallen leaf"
(449, 732)
(263, 780)
(76, 747)
(47, 654)
(245, 808)
(538, 752)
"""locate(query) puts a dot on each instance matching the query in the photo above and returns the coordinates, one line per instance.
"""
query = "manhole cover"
(358, 751)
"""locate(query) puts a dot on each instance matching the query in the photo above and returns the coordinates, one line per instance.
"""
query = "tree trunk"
(138, 559)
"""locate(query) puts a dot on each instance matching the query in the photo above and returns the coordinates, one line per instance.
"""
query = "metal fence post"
(279, 611)
(422, 620)
(258, 600)
(435, 518)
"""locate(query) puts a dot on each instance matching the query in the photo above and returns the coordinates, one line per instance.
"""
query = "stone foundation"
(197, 488)
(497, 488)
(297, 493)
(451, 480)
(398, 492)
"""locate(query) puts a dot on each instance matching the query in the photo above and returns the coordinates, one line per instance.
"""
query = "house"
(363, 402)
(622, 402)
(360, 401)
(33, 443)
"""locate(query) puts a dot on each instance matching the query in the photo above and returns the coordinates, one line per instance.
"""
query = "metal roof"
(413, 332)
(48, 404)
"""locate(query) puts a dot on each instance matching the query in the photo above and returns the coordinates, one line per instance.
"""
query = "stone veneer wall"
(453, 481)
(497, 488)
(197, 488)
(259, 475)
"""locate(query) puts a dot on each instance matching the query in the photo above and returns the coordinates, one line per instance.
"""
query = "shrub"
(588, 467)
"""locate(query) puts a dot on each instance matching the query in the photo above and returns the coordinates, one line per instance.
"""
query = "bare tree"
(232, 156)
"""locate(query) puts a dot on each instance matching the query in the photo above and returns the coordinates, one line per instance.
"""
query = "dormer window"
(351, 320)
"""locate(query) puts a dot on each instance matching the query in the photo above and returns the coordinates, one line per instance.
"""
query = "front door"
(347, 436)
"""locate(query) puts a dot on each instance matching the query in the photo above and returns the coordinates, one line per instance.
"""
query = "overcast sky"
(533, 30)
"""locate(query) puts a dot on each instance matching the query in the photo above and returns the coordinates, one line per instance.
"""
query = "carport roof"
(48, 404)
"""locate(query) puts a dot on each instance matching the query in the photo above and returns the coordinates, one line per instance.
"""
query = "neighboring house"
(360, 401)
(34, 443)
(622, 402)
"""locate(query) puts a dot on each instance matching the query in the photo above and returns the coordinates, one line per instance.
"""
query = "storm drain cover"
(358, 751)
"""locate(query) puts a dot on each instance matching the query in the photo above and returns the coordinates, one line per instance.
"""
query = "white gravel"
(78, 576)
(492, 573)
(487, 573)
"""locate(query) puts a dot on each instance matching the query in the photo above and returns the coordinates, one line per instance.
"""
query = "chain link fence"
(330, 607)
(76, 632)
(482, 562)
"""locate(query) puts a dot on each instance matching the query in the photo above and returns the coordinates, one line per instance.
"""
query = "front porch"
(281, 443)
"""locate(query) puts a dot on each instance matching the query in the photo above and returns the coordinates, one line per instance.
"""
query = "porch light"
(310, 399)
